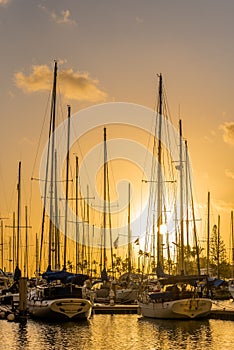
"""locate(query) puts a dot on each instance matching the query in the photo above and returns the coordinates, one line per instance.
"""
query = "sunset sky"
(112, 51)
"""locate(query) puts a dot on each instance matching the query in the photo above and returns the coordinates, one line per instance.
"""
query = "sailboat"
(61, 295)
(107, 290)
(61, 298)
(176, 296)
(10, 294)
(128, 294)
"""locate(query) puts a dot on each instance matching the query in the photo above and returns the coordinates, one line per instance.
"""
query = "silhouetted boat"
(59, 298)
(177, 296)
(180, 298)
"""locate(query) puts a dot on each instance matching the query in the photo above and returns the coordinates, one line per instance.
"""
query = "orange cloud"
(228, 132)
(62, 18)
(139, 20)
(4, 2)
(229, 173)
(74, 85)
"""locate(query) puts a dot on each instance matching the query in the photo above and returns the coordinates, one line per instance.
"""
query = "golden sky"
(112, 51)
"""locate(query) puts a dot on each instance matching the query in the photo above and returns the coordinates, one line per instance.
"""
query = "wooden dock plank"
(114, 309)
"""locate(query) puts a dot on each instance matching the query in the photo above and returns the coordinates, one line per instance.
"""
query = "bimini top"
(65, 277)
(192, 279)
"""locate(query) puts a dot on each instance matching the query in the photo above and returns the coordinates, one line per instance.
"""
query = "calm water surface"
(118, 332)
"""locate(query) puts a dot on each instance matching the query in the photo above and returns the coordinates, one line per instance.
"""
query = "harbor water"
(117, 332)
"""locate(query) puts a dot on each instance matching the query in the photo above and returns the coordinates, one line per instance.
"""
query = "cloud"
(139, 20)
(228, 132)
(27, 141)
(4, 2)
(211, 137)
(79, 86)
(229, 173)
(222, 205)
(74, 85)
(39, 79)
(62, 18)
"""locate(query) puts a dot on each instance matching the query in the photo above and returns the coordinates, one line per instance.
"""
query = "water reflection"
(69, 335)
(22, 335)
(118, 332)
(173, 334)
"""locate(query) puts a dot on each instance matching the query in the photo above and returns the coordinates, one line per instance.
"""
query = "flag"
(116, 242)
(137, 242)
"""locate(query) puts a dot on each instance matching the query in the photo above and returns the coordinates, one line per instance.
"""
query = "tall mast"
(52, 200)
(232, 246)
(154, 242)
(105, 197)
(26, 244)
(67, 179)
(218, 250)
(18, 213)
(10, 255)
(83, 236)
(129, 231)
(88, 232)
(208, 235)
(13, 242)
(181, 202)
(2, 246)
(159, 176)
(57, 233)
(52, 127)
(77, 213)
(37, 261)
(186, 195)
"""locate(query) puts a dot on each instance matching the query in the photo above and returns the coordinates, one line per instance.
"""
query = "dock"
(218, 312)
(115, 309)
(227, 315)
(222, 310)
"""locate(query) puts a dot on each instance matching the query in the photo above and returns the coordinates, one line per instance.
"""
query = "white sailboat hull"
(177, 309)
(60, 309)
